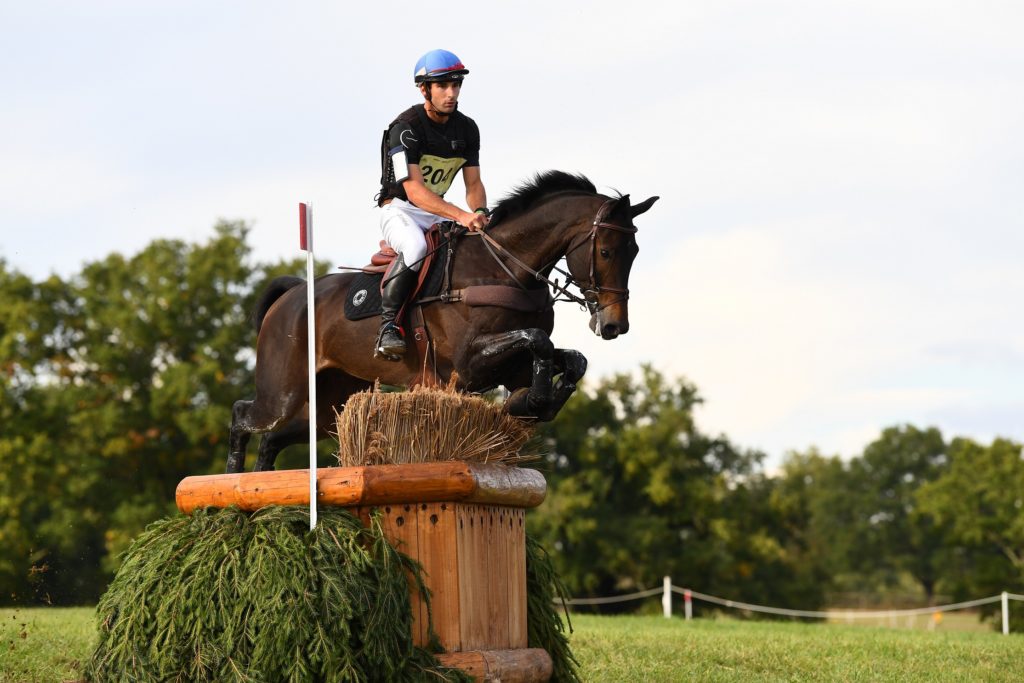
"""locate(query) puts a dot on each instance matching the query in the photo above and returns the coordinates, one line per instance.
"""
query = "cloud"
(788, 352)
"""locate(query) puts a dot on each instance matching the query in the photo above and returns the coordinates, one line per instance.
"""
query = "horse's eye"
(604, 252)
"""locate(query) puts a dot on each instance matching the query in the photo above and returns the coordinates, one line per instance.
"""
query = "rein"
(592, 288)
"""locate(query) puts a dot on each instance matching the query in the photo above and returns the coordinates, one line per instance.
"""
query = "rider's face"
(444, 96)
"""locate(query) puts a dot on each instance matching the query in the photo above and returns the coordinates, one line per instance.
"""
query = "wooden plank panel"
(439, 553)
(473, 588)
(400, 525)
(497, 578)
(506, 548)
(517, 578)
(363, 513)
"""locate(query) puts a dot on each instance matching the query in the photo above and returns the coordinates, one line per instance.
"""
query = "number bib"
(438, 173)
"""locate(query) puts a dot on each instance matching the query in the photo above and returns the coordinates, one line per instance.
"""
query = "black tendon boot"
(397, 285)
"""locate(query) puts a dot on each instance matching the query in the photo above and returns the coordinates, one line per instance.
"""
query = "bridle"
(590, 290)
(593, 287)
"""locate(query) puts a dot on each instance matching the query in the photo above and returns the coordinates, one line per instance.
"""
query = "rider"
(422, 150)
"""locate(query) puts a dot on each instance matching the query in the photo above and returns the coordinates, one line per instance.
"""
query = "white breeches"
(403, 225)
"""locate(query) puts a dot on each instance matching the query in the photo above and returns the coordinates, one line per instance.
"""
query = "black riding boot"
(398, 283)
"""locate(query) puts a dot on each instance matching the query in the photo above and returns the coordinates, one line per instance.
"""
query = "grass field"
(47, 645)
(656, 649)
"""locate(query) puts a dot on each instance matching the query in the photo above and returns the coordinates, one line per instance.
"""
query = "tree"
(811, 499)
(33, 409)
(981, 499)
(114, 385)
(893, 534)
(636, 492)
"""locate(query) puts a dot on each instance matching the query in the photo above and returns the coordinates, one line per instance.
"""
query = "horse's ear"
(643, 206)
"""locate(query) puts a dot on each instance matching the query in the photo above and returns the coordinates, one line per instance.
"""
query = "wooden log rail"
(368, 485)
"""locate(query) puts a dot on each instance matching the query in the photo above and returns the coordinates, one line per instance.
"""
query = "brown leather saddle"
(384, 260)
(433, 285)
(365, 291)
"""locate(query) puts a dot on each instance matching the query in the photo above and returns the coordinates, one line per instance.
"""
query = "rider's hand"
(474, 221)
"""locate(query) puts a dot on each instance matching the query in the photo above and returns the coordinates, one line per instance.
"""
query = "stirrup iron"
(393, 352)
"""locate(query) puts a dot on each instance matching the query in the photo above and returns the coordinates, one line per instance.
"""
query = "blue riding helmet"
(438, 66)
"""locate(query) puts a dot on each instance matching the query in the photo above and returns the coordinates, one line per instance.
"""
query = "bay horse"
(553, 216)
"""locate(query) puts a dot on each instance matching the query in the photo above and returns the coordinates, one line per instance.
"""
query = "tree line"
(637, 491)
(117, 382)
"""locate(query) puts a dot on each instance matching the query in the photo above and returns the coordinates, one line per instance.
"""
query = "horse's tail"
(277, 287)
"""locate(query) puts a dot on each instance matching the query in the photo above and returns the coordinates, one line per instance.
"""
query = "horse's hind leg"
(332, 388)
(238, 436)
(248, 417)
(273, 443)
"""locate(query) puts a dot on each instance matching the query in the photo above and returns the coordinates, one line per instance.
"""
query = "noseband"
(591, 291)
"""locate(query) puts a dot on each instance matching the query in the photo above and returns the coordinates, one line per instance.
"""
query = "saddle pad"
(363, 299)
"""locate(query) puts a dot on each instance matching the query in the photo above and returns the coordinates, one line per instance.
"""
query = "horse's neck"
(540, 237)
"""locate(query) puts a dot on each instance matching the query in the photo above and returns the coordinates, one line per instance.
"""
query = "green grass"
(656, 649)
(632, 649)
(46, 644)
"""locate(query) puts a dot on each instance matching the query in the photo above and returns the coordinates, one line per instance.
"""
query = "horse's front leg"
(570, 366)
(490, 354)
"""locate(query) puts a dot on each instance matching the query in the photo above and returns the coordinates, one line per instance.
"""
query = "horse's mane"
(542, 185)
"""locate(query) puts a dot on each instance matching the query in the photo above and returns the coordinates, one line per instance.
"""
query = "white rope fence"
(616, 598)
(689, 595)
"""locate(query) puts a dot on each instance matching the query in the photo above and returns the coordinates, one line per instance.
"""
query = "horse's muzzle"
(607, 329)
(611, 330)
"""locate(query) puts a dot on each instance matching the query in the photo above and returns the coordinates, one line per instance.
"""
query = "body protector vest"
(439, 150)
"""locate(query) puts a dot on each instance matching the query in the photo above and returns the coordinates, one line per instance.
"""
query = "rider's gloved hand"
(475, 221)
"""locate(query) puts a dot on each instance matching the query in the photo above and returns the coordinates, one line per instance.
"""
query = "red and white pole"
(688, 604)
(306, 243)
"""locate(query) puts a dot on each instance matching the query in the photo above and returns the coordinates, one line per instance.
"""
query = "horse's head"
(601, 261)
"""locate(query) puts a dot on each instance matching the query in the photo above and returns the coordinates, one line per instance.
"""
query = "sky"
(839, 239)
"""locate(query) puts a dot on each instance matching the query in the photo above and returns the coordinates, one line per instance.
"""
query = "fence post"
(1006, 613)
(688, 604)
(666, 597)
(306, 243)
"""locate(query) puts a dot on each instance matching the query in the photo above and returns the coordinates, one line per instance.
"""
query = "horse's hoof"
(235, 464)
(517, 404)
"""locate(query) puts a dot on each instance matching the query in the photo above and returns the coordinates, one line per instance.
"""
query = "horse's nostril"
(610, 331)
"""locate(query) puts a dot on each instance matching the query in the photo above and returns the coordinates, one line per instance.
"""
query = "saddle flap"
(433, 240)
